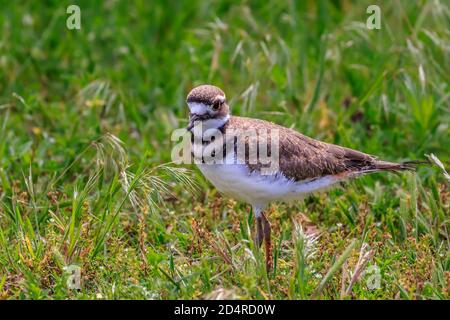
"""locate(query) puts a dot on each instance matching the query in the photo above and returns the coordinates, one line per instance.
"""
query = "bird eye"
(216, 105)
(218, 102)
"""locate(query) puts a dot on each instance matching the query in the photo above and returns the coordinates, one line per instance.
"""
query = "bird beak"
(192, 120)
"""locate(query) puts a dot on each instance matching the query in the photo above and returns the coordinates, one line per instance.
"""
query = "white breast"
(238, 182)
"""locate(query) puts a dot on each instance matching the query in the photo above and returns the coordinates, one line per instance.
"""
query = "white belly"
(238, 182)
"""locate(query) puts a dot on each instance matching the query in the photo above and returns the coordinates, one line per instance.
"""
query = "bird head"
(208, 107)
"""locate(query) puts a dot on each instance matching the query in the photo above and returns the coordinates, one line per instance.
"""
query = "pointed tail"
(395, 167)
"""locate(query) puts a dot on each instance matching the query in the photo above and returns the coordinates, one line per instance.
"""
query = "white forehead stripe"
(197, 108)
(221, 98)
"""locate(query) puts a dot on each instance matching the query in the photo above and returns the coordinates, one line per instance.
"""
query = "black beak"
(192, 120)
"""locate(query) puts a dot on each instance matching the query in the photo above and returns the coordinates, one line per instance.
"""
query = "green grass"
(85, 124)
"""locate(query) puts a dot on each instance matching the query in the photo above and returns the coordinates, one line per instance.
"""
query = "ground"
(91, 207)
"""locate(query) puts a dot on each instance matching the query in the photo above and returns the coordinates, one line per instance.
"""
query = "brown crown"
(204, 94)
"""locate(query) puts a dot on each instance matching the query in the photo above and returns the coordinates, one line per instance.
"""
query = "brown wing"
(303, 158)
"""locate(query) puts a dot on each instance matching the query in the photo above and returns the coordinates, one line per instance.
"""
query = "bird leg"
(263, 233)
(267, 241)
(259, 231)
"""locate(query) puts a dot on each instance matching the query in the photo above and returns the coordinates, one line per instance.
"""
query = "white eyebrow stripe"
(197, 108)
(221, 97)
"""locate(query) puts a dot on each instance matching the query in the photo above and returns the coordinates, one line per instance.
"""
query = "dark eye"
(216, 105)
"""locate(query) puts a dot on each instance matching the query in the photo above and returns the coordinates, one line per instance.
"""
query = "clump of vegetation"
(85, 173)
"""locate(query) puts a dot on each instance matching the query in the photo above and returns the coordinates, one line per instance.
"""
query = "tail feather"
(395, 167)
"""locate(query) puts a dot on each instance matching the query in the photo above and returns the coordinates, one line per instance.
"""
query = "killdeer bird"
(304, 165)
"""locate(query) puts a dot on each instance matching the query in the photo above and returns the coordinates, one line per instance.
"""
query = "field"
(91, 206)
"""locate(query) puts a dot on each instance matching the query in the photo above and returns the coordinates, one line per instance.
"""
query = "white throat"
(215, 123)
(208, 128)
